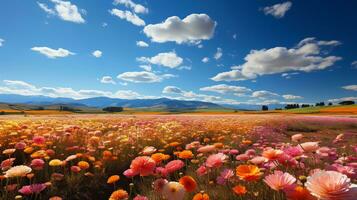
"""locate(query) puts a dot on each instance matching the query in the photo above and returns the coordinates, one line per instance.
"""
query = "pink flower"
(296, 137)
(159, 184)
(330, 185)
(34, 188)
(250, 152)
(37, 164)
(225, 176)
(202, 170)
(174, 165)
(242, 157)
(309, 146)
(75, 169)
(233, 152)
(129, 173)
(20, 145)
(347, 170)
(7, 164)
(293, 151)
(39, 140)
(139, 197)
(216, 160)
(206, 149)
(258, 160)
(279, 180)
(162, 171)
(143, 165)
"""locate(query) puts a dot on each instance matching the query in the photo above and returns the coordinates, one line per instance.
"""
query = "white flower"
(20, 170)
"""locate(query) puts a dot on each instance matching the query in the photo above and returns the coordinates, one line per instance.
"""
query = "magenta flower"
(174, 165)
(224, 177)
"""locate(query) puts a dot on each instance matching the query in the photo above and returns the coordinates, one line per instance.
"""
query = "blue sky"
(233, 52)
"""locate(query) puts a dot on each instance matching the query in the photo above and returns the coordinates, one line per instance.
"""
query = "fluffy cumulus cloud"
(128, 16)
(53, 53)
(218, 54)
(307, 56)
(177, 93)
(24, 88)
(107, 79)
(172, 90)
(143, 77)
(146, 67)
(65, 10)
(191, 29)
(291, 97)
(1, 42)
(137, 8)
(205, 59)
(263, 94)
(168, 59)
(278, 10)
(97, 53)
(350, 87)
(224, 89)
(142, 44)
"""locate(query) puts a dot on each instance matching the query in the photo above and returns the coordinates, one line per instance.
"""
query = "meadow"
(200, 157)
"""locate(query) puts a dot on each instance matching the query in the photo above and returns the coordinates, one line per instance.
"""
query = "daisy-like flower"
(18, 171)
(224, 177)
(309, 146)
(330, 185)
(189, 183)
(173, 191)
(248, 172)
(143, 165)
(216, 160)
(279, 180)
(119, 195)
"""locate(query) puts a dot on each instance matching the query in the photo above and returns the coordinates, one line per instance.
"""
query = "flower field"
(176, 157)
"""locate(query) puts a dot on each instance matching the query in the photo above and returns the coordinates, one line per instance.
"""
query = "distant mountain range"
(101, 102)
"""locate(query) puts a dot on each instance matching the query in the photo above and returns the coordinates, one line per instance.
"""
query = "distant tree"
(113, 109)
(265, 107)
(2, 113)
(320, 104)
(40, 108)
(330, 104)
(292, 106)
(346, 103)
(305, 105)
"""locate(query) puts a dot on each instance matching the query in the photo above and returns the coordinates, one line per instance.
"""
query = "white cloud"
(53, 53)
(191, 29)
(343, 99)
(350, 87)
(24, 88)
(205, 60)
(278, 10)
(218, 54)
(306, 57)
(143, 77)
(107, 79)
(1, 42)
(64, 10)
(142, 44)
(263, 94)
(104, 24)
(354, 64)
(172, 90)
(235, 36)
(45, 8)
(97, 53)
(138, 8)
(291, 97)
(168, 59)
(128, 16)
(223, 89)
(146, 67)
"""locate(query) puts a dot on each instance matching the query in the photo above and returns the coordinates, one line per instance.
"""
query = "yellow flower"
(55, 163)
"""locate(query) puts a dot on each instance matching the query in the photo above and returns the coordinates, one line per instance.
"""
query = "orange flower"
(247, 142)
(272, 154)
(248, 172)
(218, 145)
(83, 165)
(188, 183)
(113, 179)
(201, 196)
(174, 144)
(158, 157)
(107, 154)
(186, 154)
(239, 190)
(119, 195)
